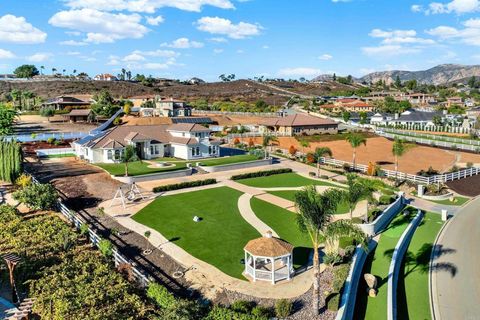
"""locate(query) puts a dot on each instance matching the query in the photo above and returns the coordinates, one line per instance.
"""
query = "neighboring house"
(183, 140)
(300, 124)
(409, 117)
(105, 77)
(79, 115)
(167, 108)
(380, 119)
(138, 101)
(454, 101)
(8, 76)
(60, 102)
(473, 112)
(196, 81)
(420, 98)
(470, 103)
(357, 106)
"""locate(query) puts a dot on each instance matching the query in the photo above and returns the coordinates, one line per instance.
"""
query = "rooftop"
(269, 246)
(299, 120)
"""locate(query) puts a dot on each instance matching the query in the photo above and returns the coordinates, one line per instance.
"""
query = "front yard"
(228, 160)
(284, 180)
(290, 195)
(139, 168)
(217, 239)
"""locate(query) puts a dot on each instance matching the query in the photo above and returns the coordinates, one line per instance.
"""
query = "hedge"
(184, 185)
(260, 174)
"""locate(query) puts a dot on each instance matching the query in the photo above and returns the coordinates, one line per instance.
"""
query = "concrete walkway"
(426, 205)
(247, 213)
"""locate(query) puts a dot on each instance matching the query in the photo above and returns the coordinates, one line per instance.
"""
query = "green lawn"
(218, 239)
(377, 263)
(137, 168)
(228, 160)
(283, 222)
(413, 294)
(63, 155)
(286, 180)
(290, 195)
(458, 201)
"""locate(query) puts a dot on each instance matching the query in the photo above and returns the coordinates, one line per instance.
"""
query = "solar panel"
(199, 120)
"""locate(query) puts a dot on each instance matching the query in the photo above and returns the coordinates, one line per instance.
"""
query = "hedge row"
(184, 185)
(260, 174)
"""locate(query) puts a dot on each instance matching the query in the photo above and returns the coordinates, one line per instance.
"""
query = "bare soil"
(469, 187)
(28, 124)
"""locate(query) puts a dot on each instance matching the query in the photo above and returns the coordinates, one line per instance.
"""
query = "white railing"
(118, 258)
(431, 136)
(232, 113)
(52, 152)
(257, 134)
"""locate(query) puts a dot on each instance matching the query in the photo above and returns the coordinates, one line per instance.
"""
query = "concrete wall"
(396, 264)
(237, 166)
(155, 176)
(56, 151)
(438, 198)
(384, 219)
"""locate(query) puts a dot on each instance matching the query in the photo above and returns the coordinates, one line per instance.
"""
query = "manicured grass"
(332, 137)
(63, 155)
(283, 180)
(290, 195)
(137, 168)
(283, 222)
(378, 263)
(228, 160)
(458, 201)
(413, 293)
(218, 239)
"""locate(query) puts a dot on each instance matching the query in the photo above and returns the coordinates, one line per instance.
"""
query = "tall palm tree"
(315, 212)
(129, 155)
(16, 95)
(74, 72)
(41, 69)
(354, 193)
(398, 150)
(342, 229)
(355, 141)
(27, 97)
(63, 72)
(54, 70)
(267, 141)
(319, 153)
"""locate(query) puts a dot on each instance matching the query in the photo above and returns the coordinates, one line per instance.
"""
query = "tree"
(472, 82)
(129, 155)
(437, 120)
(26, 71)
(315, 211)
(267, 141)
(411, 84)
(104, 104)
(346, 116)
(41, 69)
(37, 196)
(147, 235)
(355, 141)
(304, 144)
(7, 119)
(363, 117)
(10, 160)
(321, 152)
(334, 78)
(47, 112)
(398, 82)
(398, 150)
(292, 151)
(342, 229)
(355, 192)
(261, 105)
(54, 70)
(16, 96)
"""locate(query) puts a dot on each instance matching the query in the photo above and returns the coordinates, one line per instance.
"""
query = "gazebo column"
(254, 268)
(289, 261)
(273, 270)
(246, 263)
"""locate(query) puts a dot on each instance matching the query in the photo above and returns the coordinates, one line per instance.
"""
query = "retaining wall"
(55, 151)
(384, 219)
(237, 166)
(155, 176)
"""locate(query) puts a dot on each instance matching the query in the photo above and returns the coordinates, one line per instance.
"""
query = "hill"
(439, 75)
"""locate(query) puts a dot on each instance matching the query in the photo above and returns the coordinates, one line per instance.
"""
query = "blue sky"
(205, 38)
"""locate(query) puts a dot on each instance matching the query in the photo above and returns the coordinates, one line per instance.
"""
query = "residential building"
(184, 140)
(105, 77)
(454, 101)
(409, 117)
(138, 101)
(420, 98)
(301, 124)
(195, 80)
(60, 102)
(168, 107)
(78, 115)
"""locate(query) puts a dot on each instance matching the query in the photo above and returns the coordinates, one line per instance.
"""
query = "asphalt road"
(456, 267)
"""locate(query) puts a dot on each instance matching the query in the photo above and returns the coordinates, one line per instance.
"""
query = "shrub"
(84, 229)
(340, 275)
(333, 301)
(283, 308)
(386, 200)
(160, 295)
(357, 220)
(37, 196)
(117, 121)
(242, 306)
(292, 150)
(373, 214)
(260, 174)
(221, 313)
(184, 309)
(184, 185)
(469, 164)
(262, 312)
(236, 141)
(105, 247)
(332, 259)
(51, 140)
(24, 180)
(312, 174)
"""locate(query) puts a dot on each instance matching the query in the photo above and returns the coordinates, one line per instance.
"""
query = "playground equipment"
(130, 194)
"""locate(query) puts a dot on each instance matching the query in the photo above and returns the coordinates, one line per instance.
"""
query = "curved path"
(248, 215)
(455, 276)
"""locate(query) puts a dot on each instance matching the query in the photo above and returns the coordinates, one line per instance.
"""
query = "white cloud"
(73, 53)
(388, 50)
(218, 39)
(455, 6)
(158, 53)
(183, 43)
(469, 35)
(265, 47)
(148, 6)
(113, 60)
(73, 43)
(399, 36)
(299, 72)
(216, 25)
(17, 30)
(5, 54)
(217, 51)
(154, 21)
(101, 27)
(134, 57)
(39, 57)
(325, 57)
(416, 8)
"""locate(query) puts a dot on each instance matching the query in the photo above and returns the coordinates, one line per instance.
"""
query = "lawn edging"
(395, 264)
(371, 229)
(260, 174)
(349, 294)
(438, 198)
(184, 185)
(154, 176)
(237, 166)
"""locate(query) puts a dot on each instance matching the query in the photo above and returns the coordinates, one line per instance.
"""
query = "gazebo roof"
(269, 246)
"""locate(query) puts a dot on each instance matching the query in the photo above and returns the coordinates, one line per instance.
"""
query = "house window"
(118, 155)
(110, 155)
(209, 149)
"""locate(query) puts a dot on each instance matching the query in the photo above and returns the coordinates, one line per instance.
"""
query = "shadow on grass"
(301, 256)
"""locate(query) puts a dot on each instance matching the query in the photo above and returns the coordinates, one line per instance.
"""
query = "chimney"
(268, 234)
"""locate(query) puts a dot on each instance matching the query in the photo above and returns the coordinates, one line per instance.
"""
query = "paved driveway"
(456, 275)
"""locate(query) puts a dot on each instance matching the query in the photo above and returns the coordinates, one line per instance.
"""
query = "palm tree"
(27, 97)
(304, 144)
(267, 140)
(147, 235)
(41, 69)
(63, 72)
(319, 153)
(355, 192)
(355, 141)
(16, 94)
(129, 155)
(315, 211)
(74, 72)
(398, 149)
(54, 70)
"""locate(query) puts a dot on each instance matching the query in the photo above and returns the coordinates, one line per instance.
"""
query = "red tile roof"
(299, 120)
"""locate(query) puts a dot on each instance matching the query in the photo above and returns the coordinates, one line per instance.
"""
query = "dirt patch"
(37, 124)
(469, 187)
(30, 147)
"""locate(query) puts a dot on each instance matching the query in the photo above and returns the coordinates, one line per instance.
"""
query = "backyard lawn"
(137, 168)
(290, 195)
(217, 239)
(284, 180)
(228, 160)
(413, 282)
(458, 201)
(283, 222)
(62, 155)
(378, 263)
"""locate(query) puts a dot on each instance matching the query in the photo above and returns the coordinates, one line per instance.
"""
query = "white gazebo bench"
(268, 259)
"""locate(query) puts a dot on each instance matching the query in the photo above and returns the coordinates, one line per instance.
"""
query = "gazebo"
(268, 259)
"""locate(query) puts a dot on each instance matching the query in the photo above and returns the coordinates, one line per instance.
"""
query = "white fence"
(231, 113)
(446, 129)
(118, 258)
(427, 135)
(54, 152)
(256, 135)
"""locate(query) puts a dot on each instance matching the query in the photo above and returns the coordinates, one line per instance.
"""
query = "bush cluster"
(37, 196)
(260, 174)
(184, 185)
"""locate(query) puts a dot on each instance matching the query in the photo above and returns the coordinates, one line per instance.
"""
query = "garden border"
(237, 166)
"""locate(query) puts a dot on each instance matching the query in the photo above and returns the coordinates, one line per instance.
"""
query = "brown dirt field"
(378, 150)
(468, 187)
(136, 121)
(37, 124)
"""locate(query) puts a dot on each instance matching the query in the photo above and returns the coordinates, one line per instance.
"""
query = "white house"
(105, 77)
(183, 140)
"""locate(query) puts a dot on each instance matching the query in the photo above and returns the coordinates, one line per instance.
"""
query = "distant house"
(60, 102)
(138, 101)
(8, 76)
(105, 77)
(184, 140)
(167, 107)
(409, 117)
(78, 115)
(454, 101)
(195, 81)
(420, 98)
(300, 124)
